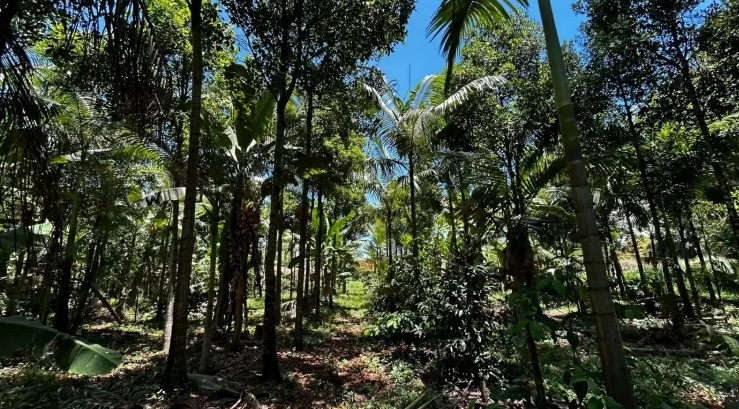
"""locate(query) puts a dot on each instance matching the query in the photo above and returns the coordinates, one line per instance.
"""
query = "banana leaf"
(72, 354)
(20, 238)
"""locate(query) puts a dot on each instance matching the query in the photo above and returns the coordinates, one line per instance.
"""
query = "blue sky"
(422, 55)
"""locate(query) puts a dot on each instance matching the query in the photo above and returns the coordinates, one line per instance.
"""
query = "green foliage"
(72, 354)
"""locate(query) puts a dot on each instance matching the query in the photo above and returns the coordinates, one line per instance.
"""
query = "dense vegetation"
(229, 199)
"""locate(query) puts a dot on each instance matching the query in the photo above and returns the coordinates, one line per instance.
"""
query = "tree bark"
(642, 275)
(708, 140)
(697, 244)
(160, 300)
(610, 346)
(171, 283)
(278, 284)
(270, 368)
(303, 231)
(614, 258)
(61, 317)
(175, 371)
(414, 225)
(319, 256)
(208, 329)
(681, 287)
(659, 254)
(688, 269)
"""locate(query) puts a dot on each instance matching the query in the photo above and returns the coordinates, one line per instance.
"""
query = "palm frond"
(482, 84)
(455, 18)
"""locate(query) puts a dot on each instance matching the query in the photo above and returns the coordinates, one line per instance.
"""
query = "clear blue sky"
(422, 55)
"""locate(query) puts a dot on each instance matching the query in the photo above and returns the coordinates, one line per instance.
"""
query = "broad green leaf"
(340, 224)
(595, 403)
(733, 344)
(73, 354)
(79, 357)
(15, 240)
(612, 404)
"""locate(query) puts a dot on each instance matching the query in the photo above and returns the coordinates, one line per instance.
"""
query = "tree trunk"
(704, 270)
(319, 256)
(278, 283)
(659, 249)
(708, 140)
(614, 258)
(303, 231)
(610, 346)
(710, 261)
(681, 287)
(61, 317)
(240, 298)
(688, 269)
(452, 222)
(169, 320)
(175, 371)
(414, 226)
(52, 259)
(93, 256)
(160, 300)
(270, 368)
(208, 329)
(637, 256)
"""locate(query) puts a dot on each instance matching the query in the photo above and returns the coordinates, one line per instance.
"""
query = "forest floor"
(341, 368)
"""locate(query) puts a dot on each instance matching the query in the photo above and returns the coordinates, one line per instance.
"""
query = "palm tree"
(454, 18)
(403, 123)
(175, 372)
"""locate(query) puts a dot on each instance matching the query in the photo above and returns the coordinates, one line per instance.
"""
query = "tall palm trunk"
(708, 139)
(659, 254)
(697, 244)
(303, 231)
(208, 330)
(688, 269)
(610, 346)
(171, 283)
(61, 317)
(175, 371)
(640, 266)
(681, 287)
(319, 256)
(389, 234)
(160, 300)
(278, 310)
(270, 369)
(414, 226)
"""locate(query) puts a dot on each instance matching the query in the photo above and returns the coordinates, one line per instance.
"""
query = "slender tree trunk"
(681, 287)
(208, 330)
(688, 269)
(710, 261)
(240, 304)
(175, 371)
(171, 283)
(61, 317)
(708, 139)
(278, 304)
(704, 270)
(610, 346)
(93, 254)
(319, 257)
(452, 222)
(160, 300)
(614, 258)
(270, 368)
(637, 256)
(52, 259)
(303, 240)
(659, 254)
(414, 224)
